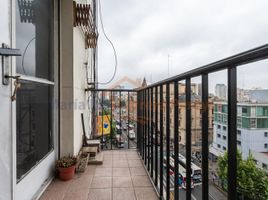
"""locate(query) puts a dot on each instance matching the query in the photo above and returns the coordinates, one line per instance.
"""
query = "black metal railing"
(115, 118)
(153, 125)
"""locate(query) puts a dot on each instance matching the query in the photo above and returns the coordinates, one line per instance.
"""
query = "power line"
(111, 43)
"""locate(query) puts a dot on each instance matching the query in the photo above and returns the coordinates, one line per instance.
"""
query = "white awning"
(215, 151)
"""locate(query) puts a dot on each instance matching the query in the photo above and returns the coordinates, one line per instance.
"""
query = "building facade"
(196, 111)
(221, 91)
(252, 128)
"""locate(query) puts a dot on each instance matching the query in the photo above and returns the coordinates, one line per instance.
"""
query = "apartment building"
(196, 111)
(221, 91)
(252, 128)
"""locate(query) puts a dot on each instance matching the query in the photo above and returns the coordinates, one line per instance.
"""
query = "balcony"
(144, 166)
(155, 140)
(121, 176)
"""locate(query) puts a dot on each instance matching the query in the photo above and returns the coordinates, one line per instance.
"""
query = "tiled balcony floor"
(121, 177)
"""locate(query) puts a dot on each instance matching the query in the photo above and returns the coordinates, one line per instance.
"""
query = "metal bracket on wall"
(5, 53)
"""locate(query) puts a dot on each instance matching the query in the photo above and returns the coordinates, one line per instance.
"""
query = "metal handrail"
(253, 55)
(148, 102)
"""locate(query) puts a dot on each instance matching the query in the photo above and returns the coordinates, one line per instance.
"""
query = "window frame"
(53, 57)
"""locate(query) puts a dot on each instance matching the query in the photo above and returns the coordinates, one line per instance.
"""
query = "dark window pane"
(34, 28)
(34, 130)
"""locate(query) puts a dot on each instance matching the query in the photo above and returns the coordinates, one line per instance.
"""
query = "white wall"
(253, 140)
(261, 158)
(80, 84)
(220, 140)
(73, 83)
(66, 79)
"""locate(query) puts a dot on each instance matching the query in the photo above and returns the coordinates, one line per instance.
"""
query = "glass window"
(34, 25)
(218, 135)
(262, 111)
(219, 146)
(265, 134)
(245, 123)
(224, 108)
(239, 142)
(262, 123)
(34, 131)
(216, 117)
(224, 137)
(246, 111)
(216, 108)
(34, 37)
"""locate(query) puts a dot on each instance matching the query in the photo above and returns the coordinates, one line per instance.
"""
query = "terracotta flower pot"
(66, 174)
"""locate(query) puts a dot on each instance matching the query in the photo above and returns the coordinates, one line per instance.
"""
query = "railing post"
(143, 127)
(128, 119)
(146, 127)
(152, 131)
(111, 123)
(167, 141)
(161, 141)
(188, 138)
(156, 137)
(120, 112)
(176, 139)
(232, 131)
(205, 107)
(102, 120)
(148, 130)
(138, 122)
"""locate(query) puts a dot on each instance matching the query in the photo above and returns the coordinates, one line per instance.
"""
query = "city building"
(221, 91)
(261, 159)
(196, 111)
(258, 95)
(252, 128)
(128, 99)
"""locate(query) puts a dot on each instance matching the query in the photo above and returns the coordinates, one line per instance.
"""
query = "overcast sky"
(192, 32)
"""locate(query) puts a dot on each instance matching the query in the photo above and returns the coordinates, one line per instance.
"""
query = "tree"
(252, 182)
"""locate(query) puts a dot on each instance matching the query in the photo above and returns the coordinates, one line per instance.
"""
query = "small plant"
(66, 161)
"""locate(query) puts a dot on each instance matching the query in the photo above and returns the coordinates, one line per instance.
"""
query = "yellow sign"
(104, 125)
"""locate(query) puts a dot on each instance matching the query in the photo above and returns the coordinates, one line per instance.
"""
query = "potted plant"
(66, 167)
